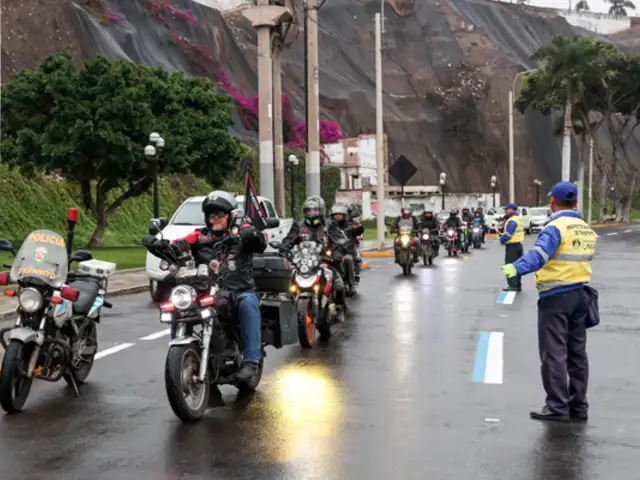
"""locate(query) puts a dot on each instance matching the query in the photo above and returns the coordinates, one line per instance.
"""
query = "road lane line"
(612, 233)
(481, 358)
(628, 231)
(495, 362)
(112, 350)
(155, 336)
(506, 298)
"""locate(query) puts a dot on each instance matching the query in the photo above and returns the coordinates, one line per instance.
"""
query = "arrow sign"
(402, 170)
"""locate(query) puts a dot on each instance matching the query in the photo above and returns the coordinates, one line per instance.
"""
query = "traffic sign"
(402, 170)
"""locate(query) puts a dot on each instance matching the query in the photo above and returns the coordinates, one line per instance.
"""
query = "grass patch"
(28, 204)
(123, 257)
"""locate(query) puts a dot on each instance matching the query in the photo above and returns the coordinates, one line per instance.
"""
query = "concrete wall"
(597, 22)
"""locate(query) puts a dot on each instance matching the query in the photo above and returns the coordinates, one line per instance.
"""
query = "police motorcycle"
(405, 246)
(428, 252)
(476, 234)
(204, 325)
(55, 334)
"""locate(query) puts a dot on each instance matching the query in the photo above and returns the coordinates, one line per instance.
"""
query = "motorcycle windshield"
(405, 227)
(306, 257)
(43, 255)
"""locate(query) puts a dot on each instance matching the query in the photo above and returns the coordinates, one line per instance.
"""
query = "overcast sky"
(599, 6)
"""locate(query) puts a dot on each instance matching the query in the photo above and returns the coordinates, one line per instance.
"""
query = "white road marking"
(493, 372)
(155, 336)
(628, 231)
(112, 350)
(612, 233)
(492, 420)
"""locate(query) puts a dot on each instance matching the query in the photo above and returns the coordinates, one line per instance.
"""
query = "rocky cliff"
(448, 67)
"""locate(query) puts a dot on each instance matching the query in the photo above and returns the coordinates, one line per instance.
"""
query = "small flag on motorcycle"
(252, 208)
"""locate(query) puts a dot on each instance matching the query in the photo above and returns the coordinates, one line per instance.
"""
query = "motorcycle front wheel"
(82, 369)
(14, 384)
(307, 316)
(189, 398)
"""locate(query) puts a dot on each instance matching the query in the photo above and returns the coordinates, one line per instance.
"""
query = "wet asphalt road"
(404, 390)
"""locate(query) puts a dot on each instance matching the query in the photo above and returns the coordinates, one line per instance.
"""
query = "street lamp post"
(537, 183)
(493, 180)
(293, 162)
(152, 151)
(443, 180)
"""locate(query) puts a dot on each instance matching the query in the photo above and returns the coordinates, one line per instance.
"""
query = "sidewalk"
(122, 283)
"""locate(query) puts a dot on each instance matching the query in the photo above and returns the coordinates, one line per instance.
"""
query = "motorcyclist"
(314, 228)
(455, 223)
(430, 222)
(236, 270)
(467, 217)
(485, 227)
(341, 217)
(405, 214)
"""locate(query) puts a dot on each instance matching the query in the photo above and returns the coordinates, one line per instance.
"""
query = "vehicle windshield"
(538, 212)
(43, 255)
(189, 213)
(306, 256)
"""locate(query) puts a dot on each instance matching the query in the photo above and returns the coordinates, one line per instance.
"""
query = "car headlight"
(404, 239)
(30, 300)
(181, 297)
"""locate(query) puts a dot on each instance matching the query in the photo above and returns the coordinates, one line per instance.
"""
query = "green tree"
(620, 7)
(91, 122)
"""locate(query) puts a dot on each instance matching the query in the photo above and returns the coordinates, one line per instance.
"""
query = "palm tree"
(582, 5)
(619, 7)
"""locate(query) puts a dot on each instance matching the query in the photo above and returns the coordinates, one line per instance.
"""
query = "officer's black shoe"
(247, 372)
(549, 415)
(579, 416)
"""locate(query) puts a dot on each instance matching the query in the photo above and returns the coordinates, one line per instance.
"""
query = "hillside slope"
(447, 69)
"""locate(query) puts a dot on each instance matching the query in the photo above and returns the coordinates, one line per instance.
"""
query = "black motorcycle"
(206, 345)
(428, 250)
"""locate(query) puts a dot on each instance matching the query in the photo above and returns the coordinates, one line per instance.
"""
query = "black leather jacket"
(236, 269)
(329, 235)
(453, 222)
(396, 223)
(430, 223)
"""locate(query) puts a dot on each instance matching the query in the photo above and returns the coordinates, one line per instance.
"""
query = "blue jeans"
(250, 326)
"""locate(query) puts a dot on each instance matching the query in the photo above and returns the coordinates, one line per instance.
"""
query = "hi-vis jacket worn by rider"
(513, 230)
(562, 254)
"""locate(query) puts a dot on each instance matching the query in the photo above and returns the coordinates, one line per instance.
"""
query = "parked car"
(496, 221)
(189, 217)
(539, 216)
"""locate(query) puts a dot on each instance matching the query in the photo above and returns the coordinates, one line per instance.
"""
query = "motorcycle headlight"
(181, 297)
(404, 239)
(449, 232)
(425, 237)
(30, 300)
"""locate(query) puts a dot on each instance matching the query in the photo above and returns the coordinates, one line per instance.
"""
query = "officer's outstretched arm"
(545, 247)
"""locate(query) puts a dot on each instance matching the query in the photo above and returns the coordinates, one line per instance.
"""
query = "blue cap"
(565, 191)
(511, 206)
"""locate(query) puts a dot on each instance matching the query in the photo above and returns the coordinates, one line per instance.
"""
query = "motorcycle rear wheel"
(14, 386)
(181, 368)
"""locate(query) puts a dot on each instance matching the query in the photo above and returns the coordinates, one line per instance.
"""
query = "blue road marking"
(480, 366)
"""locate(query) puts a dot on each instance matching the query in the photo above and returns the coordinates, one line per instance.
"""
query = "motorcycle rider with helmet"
(405, 214)
(341, 217)
(236, 270)
(455, 223)
(430, 222)
(483, 221)
(478, 219)
(467, 217)
(314, 228)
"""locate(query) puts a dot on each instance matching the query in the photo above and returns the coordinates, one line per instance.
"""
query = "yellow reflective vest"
(518, 235)
(571, 263)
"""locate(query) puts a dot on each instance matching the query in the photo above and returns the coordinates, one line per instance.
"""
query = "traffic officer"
(561, 259)
(512, 238)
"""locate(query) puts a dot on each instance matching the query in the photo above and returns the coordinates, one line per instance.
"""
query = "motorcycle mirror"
(155, 226)
(7, 246)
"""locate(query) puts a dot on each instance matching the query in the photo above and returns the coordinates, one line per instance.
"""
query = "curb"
(377, 254)
(605, 225)
(116, 293)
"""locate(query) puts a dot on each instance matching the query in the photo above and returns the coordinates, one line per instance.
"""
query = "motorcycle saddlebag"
(271, 273)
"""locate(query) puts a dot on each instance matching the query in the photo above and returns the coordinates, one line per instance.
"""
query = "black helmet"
(428, 213)
(453, 212)
(218, 201)
(314, 210)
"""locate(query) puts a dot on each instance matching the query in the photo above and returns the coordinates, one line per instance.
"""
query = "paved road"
(430, 378)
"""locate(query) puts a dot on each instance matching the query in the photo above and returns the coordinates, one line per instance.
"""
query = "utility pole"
(380, 225)
(512, 186)
(566, 143)
(313, 97)
(277, 128)
(590, 179)
(264, 17)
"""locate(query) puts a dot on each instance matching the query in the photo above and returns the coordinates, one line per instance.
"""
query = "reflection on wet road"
(429, 377)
